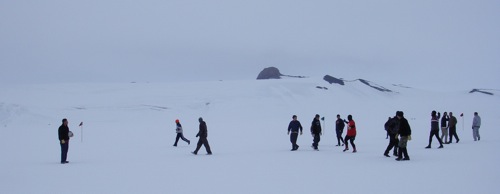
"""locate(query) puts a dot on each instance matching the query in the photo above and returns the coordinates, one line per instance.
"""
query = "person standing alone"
(294, 127)
(435, 129)
(339, 129)
(180, 134)
(203, 134)
(64, 140)
(453, 128)
(476, 123)
(316, 132)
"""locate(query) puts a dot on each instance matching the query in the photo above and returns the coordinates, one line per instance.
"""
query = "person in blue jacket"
(294, 128)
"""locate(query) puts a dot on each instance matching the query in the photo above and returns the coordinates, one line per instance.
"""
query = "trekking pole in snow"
(81, 131)
(324, 128)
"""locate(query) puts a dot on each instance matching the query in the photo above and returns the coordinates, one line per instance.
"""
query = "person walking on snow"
(405, 134)
(351, 134)
(339, 129)
(392, 127)
(203, 134)
(180, 135)
(476, 123)
(444, 127)
(294, 127)
(453, 128)
(316, 132)
(64, 140)
(435, 129)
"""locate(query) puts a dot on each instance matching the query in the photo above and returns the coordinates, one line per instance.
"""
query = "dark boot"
(400, 154)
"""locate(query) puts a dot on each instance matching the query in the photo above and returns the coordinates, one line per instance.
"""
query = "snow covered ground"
(128, 134)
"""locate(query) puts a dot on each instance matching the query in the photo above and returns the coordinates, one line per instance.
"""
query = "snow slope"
(129, 131)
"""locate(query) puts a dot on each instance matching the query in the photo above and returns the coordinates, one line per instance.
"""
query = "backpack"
(391, 126)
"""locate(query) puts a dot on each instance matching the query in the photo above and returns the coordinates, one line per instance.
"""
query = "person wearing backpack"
(339, 128)
(392, 128)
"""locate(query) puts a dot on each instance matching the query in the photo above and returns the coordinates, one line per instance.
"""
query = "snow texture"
(129, 131)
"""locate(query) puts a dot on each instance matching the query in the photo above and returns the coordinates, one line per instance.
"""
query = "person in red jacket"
(351, 134)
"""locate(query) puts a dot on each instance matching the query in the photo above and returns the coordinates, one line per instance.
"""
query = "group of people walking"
(295, 126)
(398, 131)
(202, 133)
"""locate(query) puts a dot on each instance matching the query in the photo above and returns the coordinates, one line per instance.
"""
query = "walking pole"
(81, 131)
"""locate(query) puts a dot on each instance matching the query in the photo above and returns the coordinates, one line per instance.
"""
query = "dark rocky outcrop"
(481, 91)
(333, 80)
(377, 87)
(270, 73)
(274, 73)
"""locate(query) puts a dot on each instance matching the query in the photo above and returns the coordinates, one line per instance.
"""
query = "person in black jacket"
(203, 134)
(339, 128)
(316, 132)
(64, 140)
(294, 126)
(392, 127)
(435, 129)
(453, 128)
(405, 134)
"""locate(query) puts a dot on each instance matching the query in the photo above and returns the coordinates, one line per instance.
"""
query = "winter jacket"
(339, 125)
(316, 127)
(444, 120)
(294, 126)
(351, 128)
(435, 122)
(392, 125)
(404, 127)
(179, 128)
(203, 133)
(453, 122)
(63, 133)
(476, 122)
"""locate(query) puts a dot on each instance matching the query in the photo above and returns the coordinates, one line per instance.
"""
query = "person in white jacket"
(476, 123)
(178, 130)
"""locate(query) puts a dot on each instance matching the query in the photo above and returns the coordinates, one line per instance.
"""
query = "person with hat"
(294, 127)
(405, 136)
(203, 134)
(64, 140)
(179, 132)
(316, 132)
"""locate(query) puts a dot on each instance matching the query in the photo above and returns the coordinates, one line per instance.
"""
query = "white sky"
(448, 43)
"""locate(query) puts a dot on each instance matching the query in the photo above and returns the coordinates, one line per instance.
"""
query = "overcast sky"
(421, 43)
